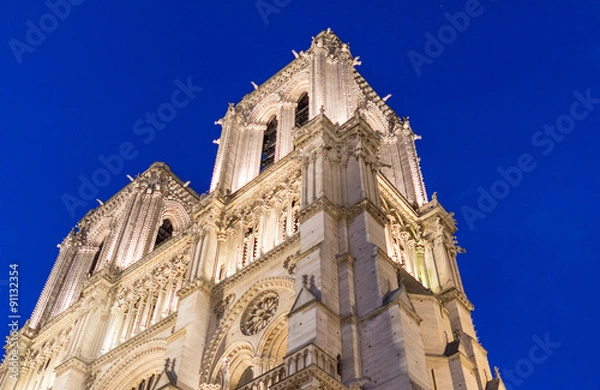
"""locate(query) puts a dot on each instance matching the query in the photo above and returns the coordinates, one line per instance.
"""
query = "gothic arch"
(284, 282)
(176, 213)
(141, 363)
(239, 356)
(273, 344)
(299, 84)
(290, 92)
(265, 110)
(375, 118)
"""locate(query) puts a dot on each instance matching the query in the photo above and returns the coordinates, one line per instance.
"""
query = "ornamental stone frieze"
(156, 278)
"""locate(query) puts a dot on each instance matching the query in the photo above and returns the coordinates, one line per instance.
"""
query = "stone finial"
(497, 372)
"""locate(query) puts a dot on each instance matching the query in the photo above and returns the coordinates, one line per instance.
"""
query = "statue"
(225, 374)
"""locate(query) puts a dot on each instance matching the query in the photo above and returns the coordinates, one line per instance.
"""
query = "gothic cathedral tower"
(315, 261)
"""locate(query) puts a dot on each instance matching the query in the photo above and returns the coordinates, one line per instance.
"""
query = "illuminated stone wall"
(327, 269)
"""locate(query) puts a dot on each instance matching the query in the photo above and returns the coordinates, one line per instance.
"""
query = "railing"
(266, 380)
(308, 356)
(311, 355)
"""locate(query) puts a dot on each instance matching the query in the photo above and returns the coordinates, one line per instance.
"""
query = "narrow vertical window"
(95, 260)
(302, 110)
(269, 141)
(165, 231)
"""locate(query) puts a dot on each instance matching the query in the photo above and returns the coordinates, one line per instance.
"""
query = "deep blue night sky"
(483, 103)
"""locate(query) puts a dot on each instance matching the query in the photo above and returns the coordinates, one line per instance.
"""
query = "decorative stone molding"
(259, 263)
(321, 204)
(290, 264)
(460, 297)
(313, 375)
(259, 313)
(223, 305)
(229, 317)
(198, 284)
(74, 363)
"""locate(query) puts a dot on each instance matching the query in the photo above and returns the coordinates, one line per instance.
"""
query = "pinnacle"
(329, 40)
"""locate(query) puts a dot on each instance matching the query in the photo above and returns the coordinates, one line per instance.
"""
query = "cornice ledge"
(395, 301)
(368, 206)
(74, 363)
(274, 82)
(199, 284)
(454, 294)
(296, 380)
(434, 209)
(139, 338)
(58, 323)
(345, 258)
(387, 189)
(171, 247)
(256, 265)
(321, 204)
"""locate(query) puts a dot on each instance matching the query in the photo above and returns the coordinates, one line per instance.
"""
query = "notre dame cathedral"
(315, 261)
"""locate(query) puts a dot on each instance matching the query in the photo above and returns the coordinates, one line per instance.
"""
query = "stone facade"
(315, 261)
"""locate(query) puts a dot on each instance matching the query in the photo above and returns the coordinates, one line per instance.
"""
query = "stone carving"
(223, 305)
(290, 264)
(259, 313)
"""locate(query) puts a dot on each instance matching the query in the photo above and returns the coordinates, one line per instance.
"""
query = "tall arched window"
(269, 141)
(165, 231)
(95, 260)
(302, 110)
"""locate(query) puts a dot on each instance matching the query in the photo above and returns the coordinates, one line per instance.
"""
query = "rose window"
(259, 313)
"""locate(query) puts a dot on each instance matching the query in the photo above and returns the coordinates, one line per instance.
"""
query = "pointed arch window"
(302, 110)
(95, 260)
(269, 142)
(165, 231)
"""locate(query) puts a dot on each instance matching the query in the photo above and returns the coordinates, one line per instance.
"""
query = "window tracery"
(269, 142)
(165, 231)
(259, 313)
(302, 110)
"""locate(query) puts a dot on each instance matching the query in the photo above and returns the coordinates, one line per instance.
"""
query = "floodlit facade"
(315, 261)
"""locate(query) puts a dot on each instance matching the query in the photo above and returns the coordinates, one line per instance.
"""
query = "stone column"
(287, 121)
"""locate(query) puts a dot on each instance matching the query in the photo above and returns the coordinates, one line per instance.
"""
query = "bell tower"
(315, 261)
(378, 300)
